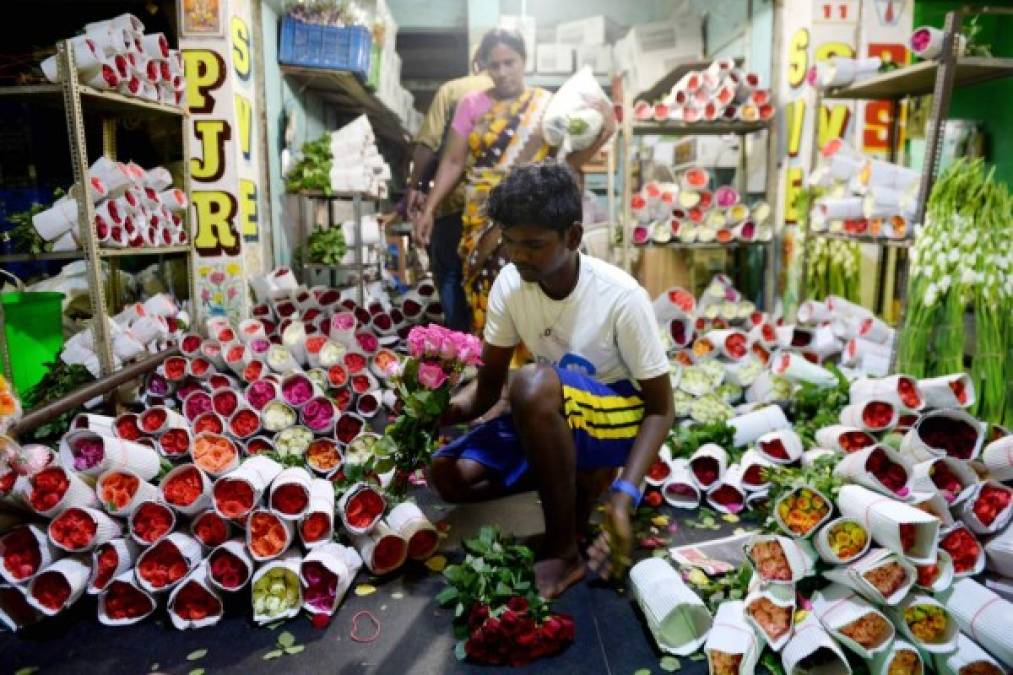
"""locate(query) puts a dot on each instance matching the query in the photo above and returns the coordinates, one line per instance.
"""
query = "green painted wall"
(990, 103)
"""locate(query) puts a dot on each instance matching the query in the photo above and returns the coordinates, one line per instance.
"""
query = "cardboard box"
(589, 32)
(598, 57)
(525, 25)
(554, 58)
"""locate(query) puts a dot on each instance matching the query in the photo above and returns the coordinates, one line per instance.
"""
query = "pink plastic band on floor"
(355, 627)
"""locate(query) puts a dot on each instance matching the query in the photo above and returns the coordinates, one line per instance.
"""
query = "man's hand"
(414, 204)
(608, 115)
(610, 553)
(423, 228)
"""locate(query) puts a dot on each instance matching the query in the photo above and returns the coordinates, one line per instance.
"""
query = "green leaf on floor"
(196, 655)
(294, 649)
(659, 553)
(196, 671)
(27, 670)
(286, 639)
(642, 671)
(459, 651)
(273, 654)
(447, 595)
(697, 656)
(670, 664)
(272, 626)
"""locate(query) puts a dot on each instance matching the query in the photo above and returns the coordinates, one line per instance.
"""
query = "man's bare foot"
(555, 575)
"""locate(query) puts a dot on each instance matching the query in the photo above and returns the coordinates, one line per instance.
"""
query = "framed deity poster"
(201, 18)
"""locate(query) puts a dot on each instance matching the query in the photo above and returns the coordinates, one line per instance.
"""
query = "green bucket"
(34, 334)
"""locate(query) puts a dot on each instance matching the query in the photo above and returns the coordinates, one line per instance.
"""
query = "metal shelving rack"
(631, 129)
(359, 266)
(75, 99)
(938, 77)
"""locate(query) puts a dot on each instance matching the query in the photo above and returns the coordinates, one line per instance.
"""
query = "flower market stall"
(226, 467)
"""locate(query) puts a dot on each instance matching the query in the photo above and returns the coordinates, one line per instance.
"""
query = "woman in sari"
(493, 131)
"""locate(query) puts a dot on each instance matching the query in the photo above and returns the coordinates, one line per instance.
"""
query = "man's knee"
(450, 483)
(535, 388)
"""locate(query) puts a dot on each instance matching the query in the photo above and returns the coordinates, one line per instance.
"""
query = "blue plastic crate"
(326, 47)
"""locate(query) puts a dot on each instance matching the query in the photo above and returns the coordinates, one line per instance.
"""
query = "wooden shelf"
(92, 99)
(919, 79)
(716, 128)
(864, 239)
(702, 246)
(340, 196)
(102, 252)
(344, 89)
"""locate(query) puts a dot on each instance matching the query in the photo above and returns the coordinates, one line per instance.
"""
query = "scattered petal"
(365, 589)
(196, 671)
(286, 639)
(739, 530)
(730, 518)
(294, 649)
(642, 671)
(27, 670)
(800, 616)
(697, 656)
(197, 654)
(659, 521)
(273, 654)
(437, 563)
(397, 595)
(670, 664)
(673, 527)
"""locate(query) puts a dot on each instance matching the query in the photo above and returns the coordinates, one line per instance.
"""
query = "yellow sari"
(509, 134)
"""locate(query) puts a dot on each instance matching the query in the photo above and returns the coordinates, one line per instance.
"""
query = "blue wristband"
(620, 485)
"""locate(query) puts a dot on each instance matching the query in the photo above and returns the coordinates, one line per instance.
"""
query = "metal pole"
(803, 230)
(330, 226)
(773, 250)
(85, 207)
(627, 160)
(359, 264)
(941, 93)
(100, 387)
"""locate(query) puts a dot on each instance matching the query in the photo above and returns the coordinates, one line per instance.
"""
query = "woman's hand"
(423, 228)
(610, 553)
(608, 115)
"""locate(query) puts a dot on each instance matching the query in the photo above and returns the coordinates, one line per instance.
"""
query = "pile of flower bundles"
(250, 456)
(888, 490)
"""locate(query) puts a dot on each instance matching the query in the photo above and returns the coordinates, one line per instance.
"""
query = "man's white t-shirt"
(605, 327)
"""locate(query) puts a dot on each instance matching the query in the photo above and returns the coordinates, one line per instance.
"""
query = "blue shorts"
(604, 418)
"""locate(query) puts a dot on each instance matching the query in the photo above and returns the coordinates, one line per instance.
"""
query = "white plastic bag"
(569, 121)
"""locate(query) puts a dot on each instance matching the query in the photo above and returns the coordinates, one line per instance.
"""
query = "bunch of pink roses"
(442, 354)
(436, 358)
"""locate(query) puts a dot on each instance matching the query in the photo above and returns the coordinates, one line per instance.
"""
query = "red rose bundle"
(229, 566)
(233, 498)
(124, 603)
(361, 508)
(166, 563)
(193, 604)
(964, 550)
(210, 529)
(25, 551)
(185, 488)
(151, 521)
(513, 637)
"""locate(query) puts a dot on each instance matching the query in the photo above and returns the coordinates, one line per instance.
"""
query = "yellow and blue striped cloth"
(604, 418)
